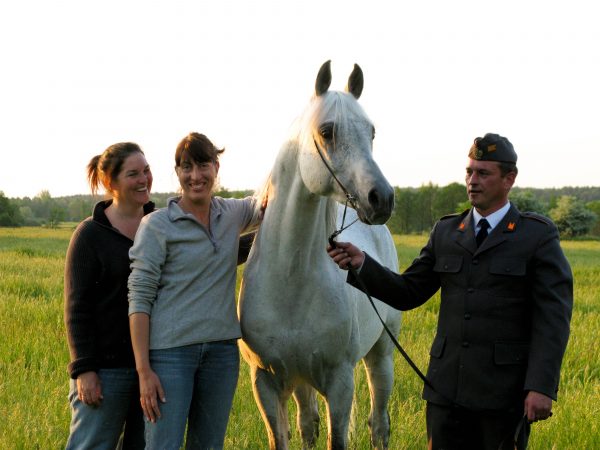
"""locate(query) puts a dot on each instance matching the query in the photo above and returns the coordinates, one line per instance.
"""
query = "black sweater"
(96, 273)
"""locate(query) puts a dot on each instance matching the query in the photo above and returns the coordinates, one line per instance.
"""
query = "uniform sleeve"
(81, 270)
(552, 296)
(147, 256)
(403, 291)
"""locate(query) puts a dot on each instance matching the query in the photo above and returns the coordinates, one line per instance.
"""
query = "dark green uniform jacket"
(505, 308)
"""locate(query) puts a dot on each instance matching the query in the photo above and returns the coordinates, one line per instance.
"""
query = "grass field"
(34, 412)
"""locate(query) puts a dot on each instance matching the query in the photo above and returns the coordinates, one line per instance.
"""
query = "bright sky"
(78, 76)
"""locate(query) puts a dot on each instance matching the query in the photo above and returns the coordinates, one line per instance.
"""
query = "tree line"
(575, 210)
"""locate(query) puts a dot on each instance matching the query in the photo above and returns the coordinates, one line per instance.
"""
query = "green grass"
(34, 412)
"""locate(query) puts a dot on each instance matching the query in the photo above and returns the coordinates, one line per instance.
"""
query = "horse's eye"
(326, 131)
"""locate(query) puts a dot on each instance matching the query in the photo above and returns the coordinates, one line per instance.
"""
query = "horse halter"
(351, 199)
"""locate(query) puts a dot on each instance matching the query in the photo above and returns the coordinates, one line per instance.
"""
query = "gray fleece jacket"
(184, 275)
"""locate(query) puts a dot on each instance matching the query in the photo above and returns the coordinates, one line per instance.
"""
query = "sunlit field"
(34, 412)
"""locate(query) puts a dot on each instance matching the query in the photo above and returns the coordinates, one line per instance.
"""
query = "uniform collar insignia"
(511, 226)
(461, 226)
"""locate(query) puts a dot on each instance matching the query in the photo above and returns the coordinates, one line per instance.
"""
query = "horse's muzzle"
(380, 204)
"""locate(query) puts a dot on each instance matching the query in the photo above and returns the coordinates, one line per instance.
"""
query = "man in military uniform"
(506, 303)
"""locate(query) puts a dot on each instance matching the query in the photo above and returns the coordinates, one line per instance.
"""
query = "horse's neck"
(297, 222)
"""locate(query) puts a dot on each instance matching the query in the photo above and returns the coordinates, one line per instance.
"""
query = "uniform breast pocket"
(448, 264)
(515, 267)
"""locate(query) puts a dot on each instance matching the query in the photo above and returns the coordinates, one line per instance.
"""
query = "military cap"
(493, 147)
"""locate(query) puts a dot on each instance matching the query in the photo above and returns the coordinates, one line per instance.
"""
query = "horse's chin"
(373, 217)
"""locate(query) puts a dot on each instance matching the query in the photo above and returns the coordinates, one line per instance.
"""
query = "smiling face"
(197, 180)
(487, 188)
(133, 183)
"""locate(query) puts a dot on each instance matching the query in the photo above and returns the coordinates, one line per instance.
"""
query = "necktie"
(483, 231)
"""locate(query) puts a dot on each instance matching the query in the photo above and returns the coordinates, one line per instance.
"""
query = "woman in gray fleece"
(182, 311)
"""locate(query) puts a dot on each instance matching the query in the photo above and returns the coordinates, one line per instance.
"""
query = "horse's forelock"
(336, 106)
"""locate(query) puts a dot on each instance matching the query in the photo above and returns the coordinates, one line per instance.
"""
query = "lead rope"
(388, 331)
(352, 201)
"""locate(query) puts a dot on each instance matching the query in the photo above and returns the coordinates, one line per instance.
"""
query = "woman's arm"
(82, 269)
(147, 257)
(150, 388)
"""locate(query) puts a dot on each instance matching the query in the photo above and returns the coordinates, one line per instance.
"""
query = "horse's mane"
(263, 193)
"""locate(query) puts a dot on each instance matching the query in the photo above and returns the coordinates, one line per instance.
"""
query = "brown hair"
(104, 168)
(197, 147)
(507, 167)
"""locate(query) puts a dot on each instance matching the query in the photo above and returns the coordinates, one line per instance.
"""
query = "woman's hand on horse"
(89, 388)
(345, 254)
(263, 206)
(150, 392)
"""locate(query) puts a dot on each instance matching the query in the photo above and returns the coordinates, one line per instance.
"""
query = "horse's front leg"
(271, 399)
(339, 394)
(308, 415)
(379, 364)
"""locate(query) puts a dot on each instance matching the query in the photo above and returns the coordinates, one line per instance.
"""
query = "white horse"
(304, 328)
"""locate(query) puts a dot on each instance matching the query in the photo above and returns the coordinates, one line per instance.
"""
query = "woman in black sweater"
(104, 385)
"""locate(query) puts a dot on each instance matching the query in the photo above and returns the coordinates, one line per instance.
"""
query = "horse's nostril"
(374, 198)
(377, 200)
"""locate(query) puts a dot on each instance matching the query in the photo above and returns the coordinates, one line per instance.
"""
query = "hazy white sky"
(77, 76)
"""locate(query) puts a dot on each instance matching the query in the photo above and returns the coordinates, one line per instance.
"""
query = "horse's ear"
(323, 78)
(355, 82)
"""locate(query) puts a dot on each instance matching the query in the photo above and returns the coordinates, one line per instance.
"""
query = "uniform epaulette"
(460, 214)
(536, 216)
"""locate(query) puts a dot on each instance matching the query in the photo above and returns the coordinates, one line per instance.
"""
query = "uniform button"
(475, 261)
(445, 266)
(507, 269)
(470, 290)
(465, 344)
(467, 316)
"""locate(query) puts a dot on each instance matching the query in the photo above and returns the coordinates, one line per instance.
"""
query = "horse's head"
(336, 143)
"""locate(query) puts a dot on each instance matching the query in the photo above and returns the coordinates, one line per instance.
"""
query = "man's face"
(486, 187)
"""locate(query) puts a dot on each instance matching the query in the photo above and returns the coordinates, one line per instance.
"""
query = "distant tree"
(423, 212)
(41, 205)
(462, 206)
(448, 198)
(56, 216)
(400, 222)
(10, 216)
(594, 206)
(572, 217)
(28, 217)
(226, 193)
(527, 201)
(78, 208)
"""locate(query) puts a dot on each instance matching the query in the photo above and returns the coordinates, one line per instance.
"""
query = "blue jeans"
(120, 412)
(199, 382)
